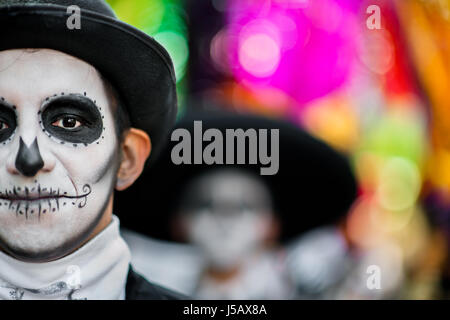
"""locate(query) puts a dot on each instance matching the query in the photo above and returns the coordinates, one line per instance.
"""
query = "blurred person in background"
(237, 219)
(227, 214)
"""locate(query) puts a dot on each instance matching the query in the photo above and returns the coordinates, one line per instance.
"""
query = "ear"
(135, 150)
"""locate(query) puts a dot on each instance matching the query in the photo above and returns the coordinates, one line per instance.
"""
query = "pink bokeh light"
(304, 48)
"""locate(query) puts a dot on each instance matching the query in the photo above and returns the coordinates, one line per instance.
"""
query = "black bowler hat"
(138, 67)
(314, 185)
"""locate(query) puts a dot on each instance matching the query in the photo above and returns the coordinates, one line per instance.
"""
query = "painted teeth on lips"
(42, 194)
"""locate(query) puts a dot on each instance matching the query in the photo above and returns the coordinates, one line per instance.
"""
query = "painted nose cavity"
(29, 160)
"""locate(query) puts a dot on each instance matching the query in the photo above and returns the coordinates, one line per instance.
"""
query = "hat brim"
(314, 186)
(139, 68)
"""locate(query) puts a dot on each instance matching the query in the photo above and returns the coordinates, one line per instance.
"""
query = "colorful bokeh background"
(379, 94)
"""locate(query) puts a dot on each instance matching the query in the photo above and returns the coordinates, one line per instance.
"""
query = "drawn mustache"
(38, 193)
(37, 199)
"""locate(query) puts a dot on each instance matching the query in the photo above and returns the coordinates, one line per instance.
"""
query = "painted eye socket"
(72, 118)
(3, 125)
(68, 122)
(8, 121)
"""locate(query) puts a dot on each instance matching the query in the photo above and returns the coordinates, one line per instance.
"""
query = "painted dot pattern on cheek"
(72, 119)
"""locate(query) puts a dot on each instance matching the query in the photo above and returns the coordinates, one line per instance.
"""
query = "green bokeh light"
(397, 134)
(163, 20)
(143, 14)
(177, 45)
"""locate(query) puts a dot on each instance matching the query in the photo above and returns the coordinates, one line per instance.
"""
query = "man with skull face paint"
(68, 138)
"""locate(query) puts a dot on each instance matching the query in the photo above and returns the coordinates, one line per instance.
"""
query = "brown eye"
(72, 118)
(3, 125)
(67, 122)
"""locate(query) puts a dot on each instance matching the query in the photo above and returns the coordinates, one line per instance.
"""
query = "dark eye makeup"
(72, 118)
(8, 121)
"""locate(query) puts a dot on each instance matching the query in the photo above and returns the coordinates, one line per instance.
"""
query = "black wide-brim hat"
(138, 67)
(314, 185)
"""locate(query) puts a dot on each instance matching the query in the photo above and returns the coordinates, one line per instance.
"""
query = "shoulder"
(138, 288)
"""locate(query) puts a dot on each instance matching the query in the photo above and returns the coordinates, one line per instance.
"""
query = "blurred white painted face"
(228, 216)
(58, 153)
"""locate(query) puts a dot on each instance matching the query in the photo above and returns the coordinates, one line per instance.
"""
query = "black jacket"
(138, 288)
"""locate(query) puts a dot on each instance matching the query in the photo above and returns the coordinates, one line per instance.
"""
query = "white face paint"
(58, 153)
(229, 216)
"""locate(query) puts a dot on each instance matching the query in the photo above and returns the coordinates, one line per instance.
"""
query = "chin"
(48, 238)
